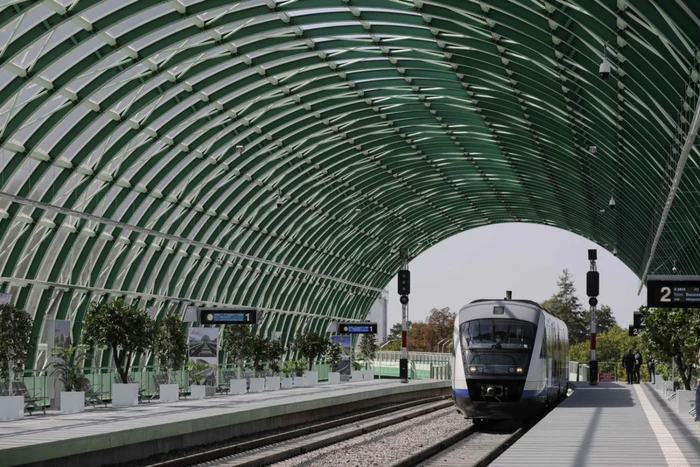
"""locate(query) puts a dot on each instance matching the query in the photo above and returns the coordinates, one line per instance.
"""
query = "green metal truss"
(279, 153)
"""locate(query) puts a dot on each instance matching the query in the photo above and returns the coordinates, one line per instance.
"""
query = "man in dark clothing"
(697, 395)
(637, 365)
(628, 363)
(652, 370)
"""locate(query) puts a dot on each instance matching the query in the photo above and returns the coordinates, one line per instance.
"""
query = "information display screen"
(227, 316)
(673, 292)
(357, 328)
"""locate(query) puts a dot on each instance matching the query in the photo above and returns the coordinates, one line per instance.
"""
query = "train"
(511, 359)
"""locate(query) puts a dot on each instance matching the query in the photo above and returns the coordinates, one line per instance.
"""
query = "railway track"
(474, 446)
(278, 447)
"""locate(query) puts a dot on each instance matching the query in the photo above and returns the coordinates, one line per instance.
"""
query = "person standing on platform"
(697, 395)
(637, 365)
(652, 370)
(628, 363)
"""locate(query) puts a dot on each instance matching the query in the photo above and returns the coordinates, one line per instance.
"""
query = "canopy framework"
(278, 153)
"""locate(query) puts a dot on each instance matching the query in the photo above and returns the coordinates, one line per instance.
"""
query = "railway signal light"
(404, 282)
(592, 283)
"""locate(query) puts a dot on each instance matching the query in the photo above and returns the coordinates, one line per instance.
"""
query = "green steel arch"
(278, 153)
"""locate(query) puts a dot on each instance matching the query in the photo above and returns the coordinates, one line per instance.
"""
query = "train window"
(498, 334)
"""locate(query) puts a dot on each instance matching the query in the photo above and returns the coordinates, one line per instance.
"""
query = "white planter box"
(333, 377)
(257, 385)
(368, 375)
(286, 383)
(72, 402)
(169, 392)
(125, 395)
(198, 391)
(272, 383)
(311, 377)
(238, 386)
(355, 376)
(684, 401)
(299, 382)
(11, 407)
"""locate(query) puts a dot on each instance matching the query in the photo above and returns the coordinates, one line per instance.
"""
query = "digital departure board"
(673, 291)
(227, 316)
(357, 328)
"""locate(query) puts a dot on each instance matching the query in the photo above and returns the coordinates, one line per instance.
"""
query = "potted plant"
(15, 332)
(310, 346)
(368, 348)
(200, 372)
(69, 368)
(236, 346)
(334, 356)
(126, 330)
(257, 347)
(300, 379)
(171, 348)
(287, 370)
(274, 352)
(356, 372)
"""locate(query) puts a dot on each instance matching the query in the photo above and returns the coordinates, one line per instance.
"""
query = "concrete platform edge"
(143, 442)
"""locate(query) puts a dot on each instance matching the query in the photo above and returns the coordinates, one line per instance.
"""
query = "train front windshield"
(497, 346)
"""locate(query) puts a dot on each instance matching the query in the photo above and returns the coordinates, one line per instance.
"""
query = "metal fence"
(422, 365)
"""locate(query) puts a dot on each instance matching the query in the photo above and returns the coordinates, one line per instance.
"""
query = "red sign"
(606, 377)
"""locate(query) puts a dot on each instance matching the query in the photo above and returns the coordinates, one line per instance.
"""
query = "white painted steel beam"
(687, 147)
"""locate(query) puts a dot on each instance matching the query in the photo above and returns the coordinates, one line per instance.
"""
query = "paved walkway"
(605, 425)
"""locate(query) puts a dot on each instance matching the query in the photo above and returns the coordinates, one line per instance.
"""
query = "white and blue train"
(511, 359)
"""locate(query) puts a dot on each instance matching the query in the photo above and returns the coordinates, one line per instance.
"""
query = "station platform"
(609, 424)
(101, 436)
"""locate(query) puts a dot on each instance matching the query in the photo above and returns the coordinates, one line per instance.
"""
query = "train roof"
(528, 302)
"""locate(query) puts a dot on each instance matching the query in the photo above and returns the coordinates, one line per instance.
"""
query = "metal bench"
(225, 386)
(93, 397)
(30, 400)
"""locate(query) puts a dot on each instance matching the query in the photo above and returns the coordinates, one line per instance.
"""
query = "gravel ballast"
(386, 446)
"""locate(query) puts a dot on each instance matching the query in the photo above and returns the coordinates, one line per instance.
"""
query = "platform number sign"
(633, 332)
(228, 316)
(673, 291)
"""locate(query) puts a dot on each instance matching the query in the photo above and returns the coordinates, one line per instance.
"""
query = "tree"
(604, 319)
(69, 366)
(334, 354)
(124, 328)
(258, 351)
(368, 348)
(310, 345)
(566, 305)
(673, 334)
(275, 350)
(441, 322)
(611, 345)
(236, 345)
(171, 344)
(395, 331)
(420, 338)
(15, 333)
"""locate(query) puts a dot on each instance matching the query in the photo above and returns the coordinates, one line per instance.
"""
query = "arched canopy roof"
(277, 153)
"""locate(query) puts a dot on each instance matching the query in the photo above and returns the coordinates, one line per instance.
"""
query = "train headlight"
(472, 369)
(519, 370)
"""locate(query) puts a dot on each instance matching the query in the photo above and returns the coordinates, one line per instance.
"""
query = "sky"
(525, 258)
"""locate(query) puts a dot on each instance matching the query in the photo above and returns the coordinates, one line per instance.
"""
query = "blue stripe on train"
(465, 393)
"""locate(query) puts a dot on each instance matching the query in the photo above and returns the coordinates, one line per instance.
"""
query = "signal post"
(592, 290)
(404, 289)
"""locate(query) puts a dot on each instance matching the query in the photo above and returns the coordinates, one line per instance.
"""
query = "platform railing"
(422, 365)
(102, 378)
